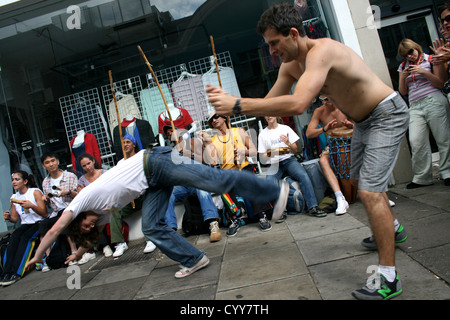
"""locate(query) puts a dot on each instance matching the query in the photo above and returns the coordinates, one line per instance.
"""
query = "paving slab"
(118, 290)
(162, 280)
(197, 294)
(122, 273)
(334, 246)
(261, 266)
(337, 279)
(299, 287)
(307, 227)
(436, 259)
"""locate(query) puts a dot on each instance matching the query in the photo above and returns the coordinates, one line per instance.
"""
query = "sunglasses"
(446, 19)
(214, 117)
(409, 53)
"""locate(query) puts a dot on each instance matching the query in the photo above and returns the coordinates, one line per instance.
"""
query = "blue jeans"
(166, 168)
(179, 193)
(291, 167)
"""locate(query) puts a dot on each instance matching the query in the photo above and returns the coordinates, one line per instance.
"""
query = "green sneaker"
(370, 243)
(384, 291)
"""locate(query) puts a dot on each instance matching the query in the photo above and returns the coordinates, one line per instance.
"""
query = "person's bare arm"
(312, 131)
(308, 87)
(61, 224)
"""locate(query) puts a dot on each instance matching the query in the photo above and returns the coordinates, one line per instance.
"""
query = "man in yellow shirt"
(230, 149)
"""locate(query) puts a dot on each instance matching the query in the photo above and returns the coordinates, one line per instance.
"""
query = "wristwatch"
(237, 109)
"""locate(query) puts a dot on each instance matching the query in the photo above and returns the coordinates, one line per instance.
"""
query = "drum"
(278, 151)
(339, 143)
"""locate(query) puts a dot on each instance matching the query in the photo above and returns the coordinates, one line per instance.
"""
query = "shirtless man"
(331, 68)
(329, 117)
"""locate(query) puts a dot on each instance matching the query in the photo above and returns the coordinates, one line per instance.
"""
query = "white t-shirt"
(57, 201)
(113, 190)
(270, 139)
(27, 216)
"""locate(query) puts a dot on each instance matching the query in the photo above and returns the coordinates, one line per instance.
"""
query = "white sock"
(338, 195)
(396, 225)
(388, 272)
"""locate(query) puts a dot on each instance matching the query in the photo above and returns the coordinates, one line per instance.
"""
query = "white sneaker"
(185, 271)
(120, 249)
(278, 210)
(391, 203)
(86, 257)
(45, 268)
(342, 207)
(107, 251)
(149, 247)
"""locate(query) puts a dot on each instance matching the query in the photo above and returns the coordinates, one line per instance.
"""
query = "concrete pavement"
(303, 258)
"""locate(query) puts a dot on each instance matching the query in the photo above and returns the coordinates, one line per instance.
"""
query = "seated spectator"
(59, 189)
(277, 144)
(28, 207)
(209, 210)
(93, 171)
(92, 168)
(325, 118)
(130, 148)
(230, 149)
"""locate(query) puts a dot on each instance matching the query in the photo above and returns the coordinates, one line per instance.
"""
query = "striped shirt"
(68, 181)
(418, 85)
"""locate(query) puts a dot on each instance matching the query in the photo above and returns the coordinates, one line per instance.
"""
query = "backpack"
(193, 223)
(235, 206)
(59, 252)
(296, 202)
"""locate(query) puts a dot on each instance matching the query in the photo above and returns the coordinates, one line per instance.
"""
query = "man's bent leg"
(380, 216)
(172, 172)
(165, 238)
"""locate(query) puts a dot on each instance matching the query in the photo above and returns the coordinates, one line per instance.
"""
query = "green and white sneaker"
(370, 243)
(384, 291)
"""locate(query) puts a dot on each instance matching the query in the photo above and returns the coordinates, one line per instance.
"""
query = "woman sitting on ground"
(28, 207)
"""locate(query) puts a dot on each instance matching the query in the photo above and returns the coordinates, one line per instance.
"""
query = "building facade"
(55, 59)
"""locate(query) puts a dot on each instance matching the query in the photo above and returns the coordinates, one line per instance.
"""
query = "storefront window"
(55, 58)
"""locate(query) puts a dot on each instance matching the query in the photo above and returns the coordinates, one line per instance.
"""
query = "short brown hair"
(281, 17)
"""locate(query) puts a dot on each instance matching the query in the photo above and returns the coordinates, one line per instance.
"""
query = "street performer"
(325, 66)
(153, 173)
